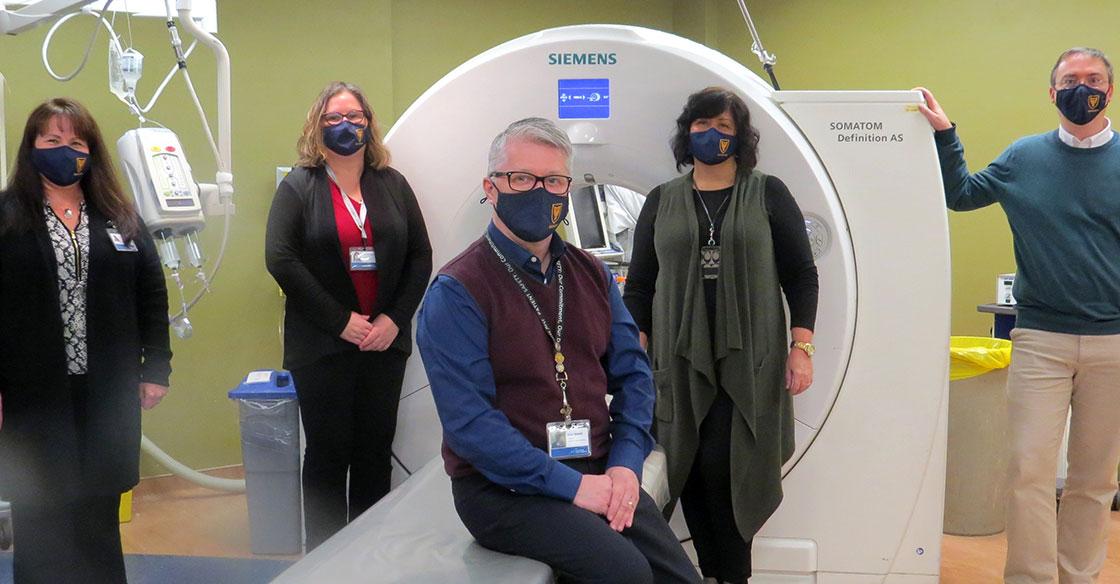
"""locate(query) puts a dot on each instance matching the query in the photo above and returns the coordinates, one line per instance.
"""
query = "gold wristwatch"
(807, 347)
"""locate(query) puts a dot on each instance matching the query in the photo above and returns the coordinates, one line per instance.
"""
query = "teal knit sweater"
(1063, 206)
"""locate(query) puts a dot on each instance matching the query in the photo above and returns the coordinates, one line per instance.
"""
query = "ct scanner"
(864, 490)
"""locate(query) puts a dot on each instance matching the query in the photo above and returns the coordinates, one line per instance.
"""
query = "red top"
(365, 282)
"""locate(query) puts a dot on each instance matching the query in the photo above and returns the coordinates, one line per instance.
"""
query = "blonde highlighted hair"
(312, 152)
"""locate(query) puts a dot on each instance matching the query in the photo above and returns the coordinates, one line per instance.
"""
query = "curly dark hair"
(709, 103)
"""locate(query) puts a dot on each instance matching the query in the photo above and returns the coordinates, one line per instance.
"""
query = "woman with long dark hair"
(714, 251)
(347, 244)
(83, 347)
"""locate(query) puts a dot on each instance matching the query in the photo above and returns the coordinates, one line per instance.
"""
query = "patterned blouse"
(71, 253)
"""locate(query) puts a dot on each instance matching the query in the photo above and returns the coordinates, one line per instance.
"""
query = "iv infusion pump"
(165, 192)
(166, 195)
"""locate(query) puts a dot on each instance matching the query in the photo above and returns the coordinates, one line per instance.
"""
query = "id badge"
(709, 262)
(569, 439)
(362, 259)
(118, 240)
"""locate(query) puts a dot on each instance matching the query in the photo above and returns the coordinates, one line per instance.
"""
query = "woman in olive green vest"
(714, 251)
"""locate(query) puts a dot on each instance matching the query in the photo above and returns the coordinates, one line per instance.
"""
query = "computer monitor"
(588, 225)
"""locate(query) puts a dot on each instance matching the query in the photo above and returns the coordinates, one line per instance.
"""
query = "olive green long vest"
(748, 358)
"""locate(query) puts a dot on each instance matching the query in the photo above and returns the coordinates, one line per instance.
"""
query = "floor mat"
(151, 569)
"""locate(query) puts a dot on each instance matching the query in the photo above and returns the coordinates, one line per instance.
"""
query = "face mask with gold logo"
(345, 137)
(1081, 104)
(712, 146)
(61, 165)
(532, 215)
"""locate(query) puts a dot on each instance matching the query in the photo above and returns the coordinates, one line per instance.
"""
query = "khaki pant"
(1050, 374)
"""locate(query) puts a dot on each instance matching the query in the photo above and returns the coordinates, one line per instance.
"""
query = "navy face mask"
(345, 138)
(61, 165)
(712, 146)
(1081, 104)
(532, 215)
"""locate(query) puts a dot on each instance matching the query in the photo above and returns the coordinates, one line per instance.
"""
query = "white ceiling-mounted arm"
(225, 125)
(33, 14)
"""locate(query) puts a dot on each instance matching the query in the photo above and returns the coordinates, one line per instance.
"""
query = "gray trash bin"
(270, 450)
(976, 465)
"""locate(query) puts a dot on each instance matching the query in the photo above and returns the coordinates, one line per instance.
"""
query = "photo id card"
(118, 240)
(569, 439)
(709, 262)
(362, 259)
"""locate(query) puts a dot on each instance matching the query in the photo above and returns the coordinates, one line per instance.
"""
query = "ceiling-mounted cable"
(768, 59)
(89, 45)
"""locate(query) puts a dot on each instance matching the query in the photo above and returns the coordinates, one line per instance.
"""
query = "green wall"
(986, 60)
(282, 57)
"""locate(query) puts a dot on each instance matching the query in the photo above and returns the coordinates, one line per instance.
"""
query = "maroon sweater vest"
(521, 353)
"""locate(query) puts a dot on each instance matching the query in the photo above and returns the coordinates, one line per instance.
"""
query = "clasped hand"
(613, 495)
(370, 336)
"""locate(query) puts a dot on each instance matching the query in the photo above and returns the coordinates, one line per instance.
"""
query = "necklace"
(711, 222)
(67, 211)
(710, 253)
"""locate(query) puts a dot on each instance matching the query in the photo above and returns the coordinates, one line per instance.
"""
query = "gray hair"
(1088, 52)
(538, 130)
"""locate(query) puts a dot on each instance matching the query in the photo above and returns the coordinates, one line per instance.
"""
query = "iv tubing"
(224, 142)
(222, 151)
(166, 80)
(224, 109)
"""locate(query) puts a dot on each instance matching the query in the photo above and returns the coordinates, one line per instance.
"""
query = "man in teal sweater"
(1061, 193)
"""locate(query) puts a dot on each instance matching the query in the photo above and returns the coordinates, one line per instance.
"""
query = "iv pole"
(768, 59)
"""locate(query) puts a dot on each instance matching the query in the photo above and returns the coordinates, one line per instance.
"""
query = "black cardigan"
(797, 271)
(303, 254)
(54, 444)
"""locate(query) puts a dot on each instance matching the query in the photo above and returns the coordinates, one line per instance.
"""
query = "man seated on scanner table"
(523, 337)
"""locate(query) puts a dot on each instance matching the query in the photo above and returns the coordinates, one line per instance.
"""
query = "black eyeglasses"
(524, 182)
(352, 116)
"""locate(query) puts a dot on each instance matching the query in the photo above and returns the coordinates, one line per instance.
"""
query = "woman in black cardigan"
(83, 346)
(347, 244)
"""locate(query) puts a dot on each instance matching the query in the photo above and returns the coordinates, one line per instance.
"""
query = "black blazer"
(51, 444)
(303, 254)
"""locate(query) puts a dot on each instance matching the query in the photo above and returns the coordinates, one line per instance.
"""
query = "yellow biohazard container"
(126, 507)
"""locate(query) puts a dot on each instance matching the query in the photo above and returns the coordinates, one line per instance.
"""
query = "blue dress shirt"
(453, 337)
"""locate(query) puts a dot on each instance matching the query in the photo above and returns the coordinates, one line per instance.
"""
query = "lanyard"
(557, 355)
(711, 224)
(359, 216)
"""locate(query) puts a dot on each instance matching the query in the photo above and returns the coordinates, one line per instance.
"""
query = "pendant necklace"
(710, 253)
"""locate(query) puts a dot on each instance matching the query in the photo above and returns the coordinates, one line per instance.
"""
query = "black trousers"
(348, 403)
(706, 500)
(578, 544)
(76, 542)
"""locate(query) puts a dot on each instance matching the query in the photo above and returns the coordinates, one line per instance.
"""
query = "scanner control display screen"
(584, 99)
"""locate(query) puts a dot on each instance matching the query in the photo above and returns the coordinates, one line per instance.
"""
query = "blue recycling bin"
(270, 449)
